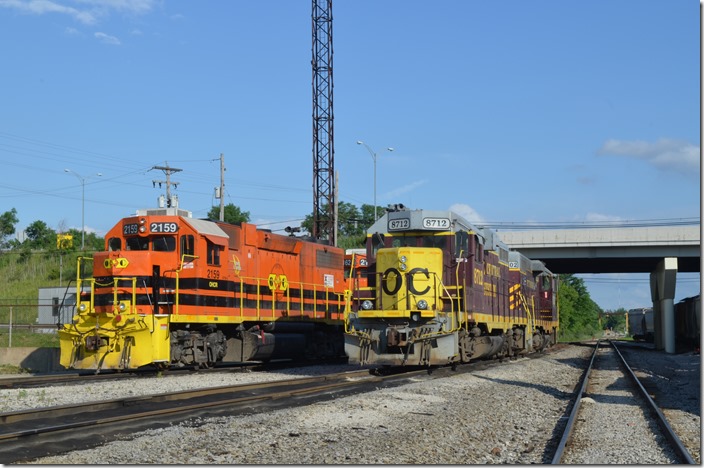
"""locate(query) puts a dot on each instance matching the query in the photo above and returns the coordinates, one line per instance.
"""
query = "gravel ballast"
(504, 414)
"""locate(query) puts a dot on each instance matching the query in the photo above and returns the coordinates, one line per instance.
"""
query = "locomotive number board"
(399, 224)
(436, 223)
(165, 228)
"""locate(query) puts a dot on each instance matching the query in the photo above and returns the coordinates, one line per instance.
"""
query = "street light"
(374, 158)
(83, 205)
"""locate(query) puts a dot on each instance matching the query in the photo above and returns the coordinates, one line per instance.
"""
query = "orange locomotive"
(356, 265)
(174, 290)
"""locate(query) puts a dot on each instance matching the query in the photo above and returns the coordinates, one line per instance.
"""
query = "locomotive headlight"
(122, 307)
(142, 221)
(142, 229)
(82, 307)
(423, 304)
(402, 267)
(403, 259)
(415, 317)
(367, 305)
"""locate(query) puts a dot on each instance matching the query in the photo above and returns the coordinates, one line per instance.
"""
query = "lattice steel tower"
(323, 148)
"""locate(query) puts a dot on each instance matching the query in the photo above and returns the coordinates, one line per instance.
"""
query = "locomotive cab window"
(461, 244)
(377, 243)
(439, 242)
(114, 244)
(404, 241)
(546, 283)
(479, 250)
(213, 254)
(137, 243)
(187, 245)
(164, 244)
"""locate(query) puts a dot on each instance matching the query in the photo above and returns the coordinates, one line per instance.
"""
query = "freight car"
(688, 324)
(640, 324)
(174, 290)
(443, 291)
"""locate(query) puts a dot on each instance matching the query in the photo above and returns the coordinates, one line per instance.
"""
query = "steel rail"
(26, 435)
(10, 381)
(670, 434)
(556, 460)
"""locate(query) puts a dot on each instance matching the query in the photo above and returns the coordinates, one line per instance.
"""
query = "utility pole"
(168, 171)
(222, 187)
(83, 204)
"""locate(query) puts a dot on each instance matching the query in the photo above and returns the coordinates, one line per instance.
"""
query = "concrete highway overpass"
(609, 250)
(661, 251)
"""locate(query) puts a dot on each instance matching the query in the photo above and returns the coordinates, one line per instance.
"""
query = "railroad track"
(612, 397)
(68, 377)
(26, 435)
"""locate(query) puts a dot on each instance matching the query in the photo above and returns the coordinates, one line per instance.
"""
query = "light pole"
(374, 158)
(83, 205)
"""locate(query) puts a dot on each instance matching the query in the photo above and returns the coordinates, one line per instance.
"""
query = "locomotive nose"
(409, 280)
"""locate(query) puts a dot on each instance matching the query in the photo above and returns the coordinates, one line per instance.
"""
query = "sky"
(510, 113)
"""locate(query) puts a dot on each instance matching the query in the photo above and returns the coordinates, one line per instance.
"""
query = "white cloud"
(468, 213)
(84, 11)
(598, 218)
(107, 39)
(41, 7)
(394, 194)
(666, 154)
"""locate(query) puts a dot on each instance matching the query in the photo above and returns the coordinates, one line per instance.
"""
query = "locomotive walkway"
(661, 251)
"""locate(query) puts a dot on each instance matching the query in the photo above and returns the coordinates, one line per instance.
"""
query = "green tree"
(351, 222)
(232, 214)
(614, 320)
(579, 314)
(40, 236)
(368, 215)
(7, 226)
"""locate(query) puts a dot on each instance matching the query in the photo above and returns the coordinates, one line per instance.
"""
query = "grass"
(23, 274)
(9, 369)
(27, 339)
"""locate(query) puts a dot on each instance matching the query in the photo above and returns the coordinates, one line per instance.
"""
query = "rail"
(26, 435)
(660, 417)
(676, 444)
(575, 410)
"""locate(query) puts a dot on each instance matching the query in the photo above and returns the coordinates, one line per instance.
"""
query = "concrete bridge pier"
(662, 291)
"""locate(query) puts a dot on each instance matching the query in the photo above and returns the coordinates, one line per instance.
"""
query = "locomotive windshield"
(164, 243)
(157, 243)
(419, 241)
